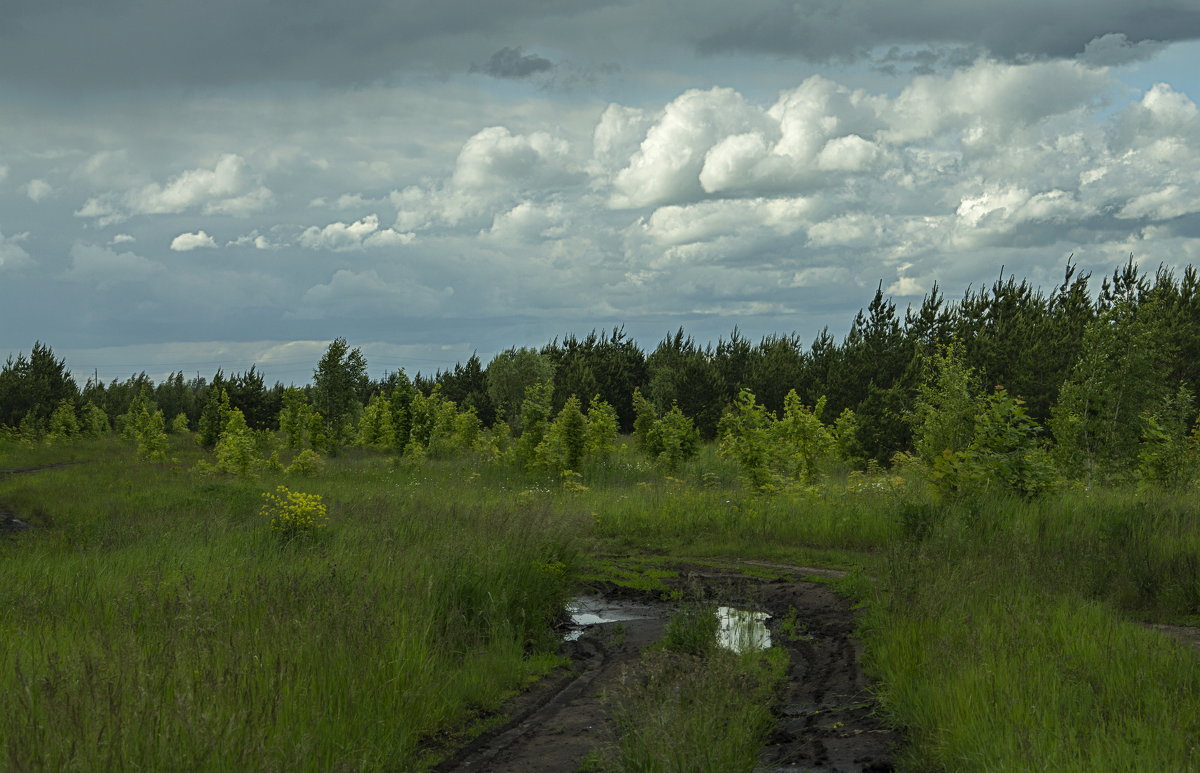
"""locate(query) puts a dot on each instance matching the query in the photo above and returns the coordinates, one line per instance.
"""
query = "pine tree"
(565, 441)
(746, 439)
(34, 386)
(943, 416)
(1121, 373)
(339, 382)
(95, 420)
(235, 448)
(401, 396)
(602, 429)
(213, 417)
(509, 376)
(295, 417)
(534, 421)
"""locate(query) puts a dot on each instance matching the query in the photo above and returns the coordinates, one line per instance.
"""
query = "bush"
(63, 423)
(95, 420)
(294, 514)
(235, 448)
(306, 464)
(678, 438)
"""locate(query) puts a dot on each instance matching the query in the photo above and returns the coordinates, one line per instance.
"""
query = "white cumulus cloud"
(667, 165)
(497, 157)
(358, 235)
(190, 241)
(228, 188)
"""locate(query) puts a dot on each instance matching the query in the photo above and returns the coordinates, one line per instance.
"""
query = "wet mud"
(9, 522)
(1188, 635)
(825, 713)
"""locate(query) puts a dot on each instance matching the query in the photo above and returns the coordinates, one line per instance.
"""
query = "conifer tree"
(295, 417)
(95, 420)
(602, 428)
(510, 374)
(400, 392)
(1121, 373)
(213, 417)
(565, 440)
(534, 421)
(339, 381)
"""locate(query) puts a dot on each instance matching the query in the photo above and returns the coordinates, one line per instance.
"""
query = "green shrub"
(235, 448)
(95, 420)
(293, 514)
(63, 423)
(306, 464)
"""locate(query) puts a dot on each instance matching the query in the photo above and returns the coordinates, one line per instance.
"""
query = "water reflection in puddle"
(593, 610)
(741, 630)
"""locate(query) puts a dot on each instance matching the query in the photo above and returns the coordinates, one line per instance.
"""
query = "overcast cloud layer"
(187, 187)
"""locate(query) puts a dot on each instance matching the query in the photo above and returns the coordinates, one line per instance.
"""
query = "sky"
(187, 186)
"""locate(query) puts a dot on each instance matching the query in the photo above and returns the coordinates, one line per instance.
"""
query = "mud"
(1183, 633)
(18, 470)
(554, 725)
(9, 522)
(825, 713)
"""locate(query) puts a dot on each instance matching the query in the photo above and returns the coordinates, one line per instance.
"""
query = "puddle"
(741, 630)
(587, 611)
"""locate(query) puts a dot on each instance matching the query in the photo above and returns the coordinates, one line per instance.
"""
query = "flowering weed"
(294, 513)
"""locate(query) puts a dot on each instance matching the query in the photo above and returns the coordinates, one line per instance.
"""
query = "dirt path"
(9, 522)
(825, 719)
(1186, 634)
(554, 725)
(56, 465)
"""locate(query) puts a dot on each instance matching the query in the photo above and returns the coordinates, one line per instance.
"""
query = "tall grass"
(690, 705)
(155, 621)
(702, 509)
(1002, 639)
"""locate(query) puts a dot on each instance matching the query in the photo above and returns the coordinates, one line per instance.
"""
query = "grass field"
(153, 619)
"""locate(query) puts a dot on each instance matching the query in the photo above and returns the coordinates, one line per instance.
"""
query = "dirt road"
(825, 714)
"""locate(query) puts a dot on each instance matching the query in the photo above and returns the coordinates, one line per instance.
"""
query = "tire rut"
(9, 522)
(826, 717)
(555, 725)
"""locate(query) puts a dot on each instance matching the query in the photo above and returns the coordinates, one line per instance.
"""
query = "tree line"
(1091, 369)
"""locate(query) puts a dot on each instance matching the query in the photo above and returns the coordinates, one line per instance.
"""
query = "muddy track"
(55, 466)
(825, 716)
(554, 725)
(9, 522)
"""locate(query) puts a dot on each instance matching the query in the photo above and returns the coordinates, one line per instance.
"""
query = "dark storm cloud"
(925, 60)
(513, 63)
(833, 30)
(81, 44)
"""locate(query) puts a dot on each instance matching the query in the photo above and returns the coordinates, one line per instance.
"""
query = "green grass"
(690, 705)
(152, 619)
(994, 676)
(1004, 638)
(156, 621)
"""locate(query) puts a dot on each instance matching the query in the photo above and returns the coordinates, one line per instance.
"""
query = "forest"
(360, 573)
(1093, 376)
